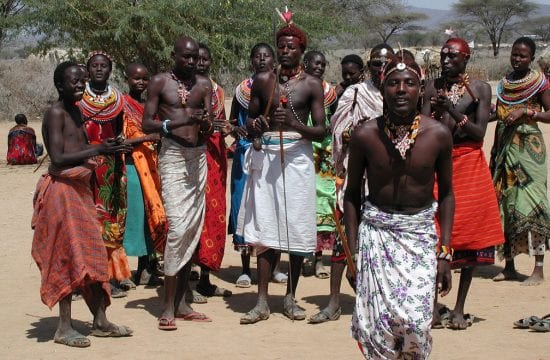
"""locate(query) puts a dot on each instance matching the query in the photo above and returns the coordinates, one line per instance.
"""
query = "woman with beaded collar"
(102, 107)
(518, 161)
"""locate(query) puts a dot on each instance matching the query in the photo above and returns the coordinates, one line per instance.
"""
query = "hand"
(239, 132)
(351, 278)
(444, 278)
(197, 115)
(258, 125)
(440, 102)
(513, 116)
(282, 118)
(113, 145)
(223, 126)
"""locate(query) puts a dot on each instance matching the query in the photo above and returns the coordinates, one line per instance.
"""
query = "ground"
(29, 326)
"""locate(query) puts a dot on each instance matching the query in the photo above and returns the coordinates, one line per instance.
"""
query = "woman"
(21, 143)
(518, 161)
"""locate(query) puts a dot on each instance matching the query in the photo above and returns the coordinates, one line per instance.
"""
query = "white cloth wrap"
(183, 180)
(262, 213)
(368, 106)
(396, 271)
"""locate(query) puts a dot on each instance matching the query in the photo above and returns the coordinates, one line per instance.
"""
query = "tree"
(494, 16)
(539, 26)
(383, 17)
(9, 19)
(144, 30)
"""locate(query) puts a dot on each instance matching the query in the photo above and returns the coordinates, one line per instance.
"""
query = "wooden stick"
(345, 245)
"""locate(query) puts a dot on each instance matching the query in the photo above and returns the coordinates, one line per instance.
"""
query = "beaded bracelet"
(445, 253)
(462, 122)
(165, 129)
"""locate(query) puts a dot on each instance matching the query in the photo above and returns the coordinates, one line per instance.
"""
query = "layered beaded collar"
(402, 136)
(184, 87)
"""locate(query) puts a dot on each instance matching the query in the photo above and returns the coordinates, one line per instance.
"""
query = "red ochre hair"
(294, 31)
(460, 43)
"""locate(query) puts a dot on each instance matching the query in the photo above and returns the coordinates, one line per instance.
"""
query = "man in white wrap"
(403, 153)
(278, 209)
(182, 101)
(359, 103)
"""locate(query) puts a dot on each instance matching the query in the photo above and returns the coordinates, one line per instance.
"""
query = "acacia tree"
(9, 17)
(144, 30)
(385, 18)
(494, 16)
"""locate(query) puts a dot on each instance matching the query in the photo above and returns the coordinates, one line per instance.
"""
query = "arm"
(476, 129)
(352, 196)
(237, 131)
(54, 120)
(544, 117)
(446, 202)
(149, 125)
(253, 126)
(426, 99)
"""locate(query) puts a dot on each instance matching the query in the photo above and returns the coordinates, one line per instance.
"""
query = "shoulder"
(313, 81)
(55, 113)
(481, 85)
(158, 80)
(435, 128)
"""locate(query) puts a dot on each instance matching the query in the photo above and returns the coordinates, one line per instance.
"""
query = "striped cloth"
(477, 218)
(67, 245)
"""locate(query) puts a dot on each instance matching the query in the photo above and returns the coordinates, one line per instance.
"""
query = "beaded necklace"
(289, 91)
(512, 92)
(183, 89)
(402, 136)
(457, 90)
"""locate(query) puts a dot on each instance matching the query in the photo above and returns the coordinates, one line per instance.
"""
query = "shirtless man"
(393, 232)
(182, 100)
(463, 105)
(278, 207)
(67, 245)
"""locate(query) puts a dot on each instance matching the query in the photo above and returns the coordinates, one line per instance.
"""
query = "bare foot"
(533, 280)
(506, 275)
(457, 321)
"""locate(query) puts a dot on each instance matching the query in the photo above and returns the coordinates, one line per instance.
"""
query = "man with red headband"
(463, 105)
(278, 206)
(403, 153)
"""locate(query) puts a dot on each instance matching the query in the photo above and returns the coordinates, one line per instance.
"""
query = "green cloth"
(518, 165)
(325, 181)
(137, 239)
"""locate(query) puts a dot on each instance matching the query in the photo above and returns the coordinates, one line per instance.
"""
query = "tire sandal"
(324, 316)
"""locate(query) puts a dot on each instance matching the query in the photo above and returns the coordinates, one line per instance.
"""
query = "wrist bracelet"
(462, 122)
(165, 129)
(445, 253)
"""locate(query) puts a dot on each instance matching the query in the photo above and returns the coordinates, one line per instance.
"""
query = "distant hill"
(437, 17)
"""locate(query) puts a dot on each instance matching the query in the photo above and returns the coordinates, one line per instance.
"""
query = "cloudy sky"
(446, 4)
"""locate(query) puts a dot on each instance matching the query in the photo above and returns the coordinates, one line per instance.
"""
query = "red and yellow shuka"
(103, 119)
(146, 162)
(67, 244)
(212, 241)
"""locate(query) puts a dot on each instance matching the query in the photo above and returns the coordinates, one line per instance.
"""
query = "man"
(67, 244)
(146, 225)
(395, 242)
(325, 186)
(21, 143)
(212, 242)
(278, 207)
(463, 105)
(182, 100)
(360, 102)
(102, 107)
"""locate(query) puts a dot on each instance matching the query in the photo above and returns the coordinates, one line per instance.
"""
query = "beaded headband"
(401, 66)
(449, 50)
(382, 57)
(99, 52)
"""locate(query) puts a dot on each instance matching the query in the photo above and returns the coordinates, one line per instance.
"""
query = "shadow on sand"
(43, 330)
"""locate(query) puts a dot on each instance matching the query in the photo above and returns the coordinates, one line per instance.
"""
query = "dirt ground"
(28, 325)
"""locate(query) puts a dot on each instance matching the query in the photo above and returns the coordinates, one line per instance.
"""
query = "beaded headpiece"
(395, 64)
(99, 52)
(456, 46)
(290, 29)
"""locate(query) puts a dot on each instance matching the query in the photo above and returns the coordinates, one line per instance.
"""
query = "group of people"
(385, 170)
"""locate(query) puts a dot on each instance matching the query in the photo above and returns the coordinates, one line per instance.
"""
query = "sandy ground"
(28, 325)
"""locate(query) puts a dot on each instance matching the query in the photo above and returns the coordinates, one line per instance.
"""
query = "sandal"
(279, 278)
(444, 318)
(291, 310)
(541, 326)
(321, 271)
(74, 340)
(244, 281)
(526, 323)
(324, 316)
(213, 290)
(253, 316)
(167, 324)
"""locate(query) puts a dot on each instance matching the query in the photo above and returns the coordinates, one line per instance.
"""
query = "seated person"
(21, 143)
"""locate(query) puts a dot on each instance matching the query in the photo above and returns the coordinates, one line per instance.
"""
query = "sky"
(446, 4)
